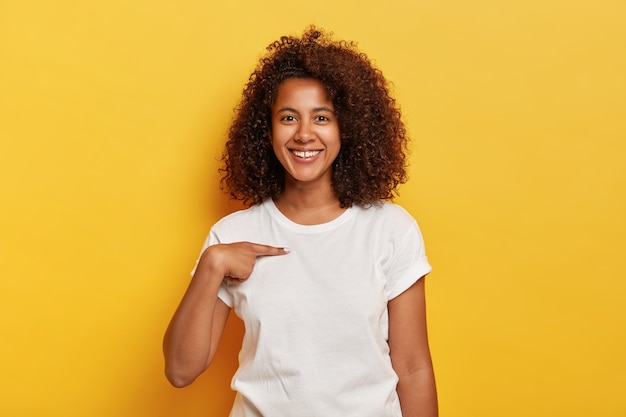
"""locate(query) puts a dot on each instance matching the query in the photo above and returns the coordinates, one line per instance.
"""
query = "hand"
(236, 260)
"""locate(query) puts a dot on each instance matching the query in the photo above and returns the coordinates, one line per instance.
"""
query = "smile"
(305, 154)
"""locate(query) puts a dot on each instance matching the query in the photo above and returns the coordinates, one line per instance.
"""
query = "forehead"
(302, 90)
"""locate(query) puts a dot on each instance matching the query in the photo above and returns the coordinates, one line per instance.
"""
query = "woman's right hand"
(195, 330)
(236, 261)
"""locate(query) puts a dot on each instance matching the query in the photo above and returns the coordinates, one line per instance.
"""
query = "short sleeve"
(223, 293)
(408, 262)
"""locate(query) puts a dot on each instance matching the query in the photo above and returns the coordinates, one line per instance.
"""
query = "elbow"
(180, 377)
(179, 382)
(182, 370)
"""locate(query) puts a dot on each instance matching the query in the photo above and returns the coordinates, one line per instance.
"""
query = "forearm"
(418, 393)
(196, 328)
(188, 343)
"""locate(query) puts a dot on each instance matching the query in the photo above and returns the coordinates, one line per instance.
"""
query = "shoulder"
(387, 214)
(390, 224)
(240, 219)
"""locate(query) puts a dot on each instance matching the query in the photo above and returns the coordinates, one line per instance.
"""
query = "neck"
(309, 205)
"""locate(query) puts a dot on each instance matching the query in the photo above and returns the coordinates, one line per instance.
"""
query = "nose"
(305, 132)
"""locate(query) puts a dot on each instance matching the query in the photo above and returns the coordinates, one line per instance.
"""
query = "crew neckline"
(307, 228)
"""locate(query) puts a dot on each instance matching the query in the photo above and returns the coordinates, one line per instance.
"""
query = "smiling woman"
(317, 146)
(305, 134)
(372, 160)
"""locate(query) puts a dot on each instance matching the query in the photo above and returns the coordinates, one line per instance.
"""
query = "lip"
(305, 154)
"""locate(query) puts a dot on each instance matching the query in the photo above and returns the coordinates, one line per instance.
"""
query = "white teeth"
(305, 154)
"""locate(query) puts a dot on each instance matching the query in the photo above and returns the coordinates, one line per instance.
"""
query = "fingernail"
(286, 250)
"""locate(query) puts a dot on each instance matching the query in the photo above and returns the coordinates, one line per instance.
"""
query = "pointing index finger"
(266, 250)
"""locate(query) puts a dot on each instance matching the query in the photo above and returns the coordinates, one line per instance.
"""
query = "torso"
(316, 319)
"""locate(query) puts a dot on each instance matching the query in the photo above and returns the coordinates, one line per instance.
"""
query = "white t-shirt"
(316, 323)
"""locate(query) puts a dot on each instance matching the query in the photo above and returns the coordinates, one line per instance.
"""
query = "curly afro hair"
(372, 160)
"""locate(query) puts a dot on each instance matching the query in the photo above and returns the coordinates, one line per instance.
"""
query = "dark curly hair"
(372, 159)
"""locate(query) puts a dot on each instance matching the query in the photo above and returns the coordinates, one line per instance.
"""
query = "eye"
(322, 118)
(288, 118)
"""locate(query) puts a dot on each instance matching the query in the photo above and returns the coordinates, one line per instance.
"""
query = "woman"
(327, 275)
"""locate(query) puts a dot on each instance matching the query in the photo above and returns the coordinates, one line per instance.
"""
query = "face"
(305, 131)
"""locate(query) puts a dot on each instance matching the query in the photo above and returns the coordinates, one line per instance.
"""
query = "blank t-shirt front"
(316, 324)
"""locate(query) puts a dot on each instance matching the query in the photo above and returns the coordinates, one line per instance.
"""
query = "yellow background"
(113, 114)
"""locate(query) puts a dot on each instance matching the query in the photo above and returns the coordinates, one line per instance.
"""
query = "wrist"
(210, 269)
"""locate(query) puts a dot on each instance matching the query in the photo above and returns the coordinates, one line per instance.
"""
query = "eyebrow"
(315, 110)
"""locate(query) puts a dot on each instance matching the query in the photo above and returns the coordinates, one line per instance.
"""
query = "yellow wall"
(113, 114)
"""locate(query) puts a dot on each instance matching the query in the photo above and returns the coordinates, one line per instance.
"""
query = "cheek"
(277, 142)
(336, 137)
(281, 134)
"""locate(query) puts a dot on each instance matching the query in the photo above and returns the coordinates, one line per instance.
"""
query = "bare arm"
(195, 330)
(410, 354)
